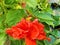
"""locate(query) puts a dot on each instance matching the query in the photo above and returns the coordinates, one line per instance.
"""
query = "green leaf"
(58, 34)
(39, 42)
(49, 22)
(43, 16)
(2, 38)
(59, 20)
(17, 42)
(1, 10)
(57, 42)
(56, 20)
(46, 42)
(54, 32)
(2, 31)
(9, 1)
(2, 19)
(14, 16)
(31, 3)
(51, 42)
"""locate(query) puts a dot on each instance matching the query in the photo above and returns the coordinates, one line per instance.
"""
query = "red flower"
(28, 30)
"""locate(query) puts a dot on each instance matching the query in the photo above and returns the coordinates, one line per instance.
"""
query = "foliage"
(12, 11)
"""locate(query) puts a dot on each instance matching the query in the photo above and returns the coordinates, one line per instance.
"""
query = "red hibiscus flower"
(29, 30)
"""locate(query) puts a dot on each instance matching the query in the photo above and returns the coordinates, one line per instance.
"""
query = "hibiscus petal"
(34, 32)
(41, 37)
(39, 25)
(8, 31)
(23, 24)
(29, 41)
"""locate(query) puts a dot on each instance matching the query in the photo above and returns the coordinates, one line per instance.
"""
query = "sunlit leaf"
(14, 16)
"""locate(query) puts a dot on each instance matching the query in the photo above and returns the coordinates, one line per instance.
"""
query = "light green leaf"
(14, 16)
(49, 22)
(31, 3)
(2, 38)
(45, 16)
(42, 16)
